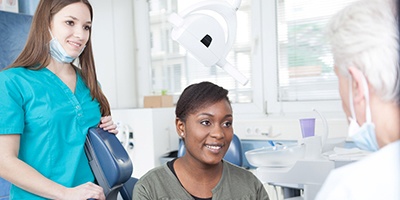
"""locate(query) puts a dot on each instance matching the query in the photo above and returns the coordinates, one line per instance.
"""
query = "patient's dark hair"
(197, 96)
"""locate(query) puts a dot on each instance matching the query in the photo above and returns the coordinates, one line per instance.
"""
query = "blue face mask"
(58, 52)
(364, 137)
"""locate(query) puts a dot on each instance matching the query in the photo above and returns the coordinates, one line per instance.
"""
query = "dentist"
(365, 45)
(48, 103)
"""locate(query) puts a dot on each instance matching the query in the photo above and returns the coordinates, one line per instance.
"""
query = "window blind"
(304, 59)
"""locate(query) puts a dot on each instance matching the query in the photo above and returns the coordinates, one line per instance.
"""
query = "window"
(280, 46)
(305, 61)
(304, 65)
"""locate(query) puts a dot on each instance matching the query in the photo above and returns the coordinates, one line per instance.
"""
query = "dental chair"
(110, 164)
(233, 155)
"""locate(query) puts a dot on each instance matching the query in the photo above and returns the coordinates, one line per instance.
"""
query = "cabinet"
(154, 135)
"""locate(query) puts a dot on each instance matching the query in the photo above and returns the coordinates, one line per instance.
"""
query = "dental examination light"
(203, 36)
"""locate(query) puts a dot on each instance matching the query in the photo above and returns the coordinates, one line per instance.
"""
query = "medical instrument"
(204, 37)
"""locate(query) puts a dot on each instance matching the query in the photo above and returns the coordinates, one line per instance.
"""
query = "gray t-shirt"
(236, 184)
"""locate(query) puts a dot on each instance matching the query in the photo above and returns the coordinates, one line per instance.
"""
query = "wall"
(113, 39)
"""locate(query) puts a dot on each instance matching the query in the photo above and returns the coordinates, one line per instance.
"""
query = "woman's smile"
(214, 148)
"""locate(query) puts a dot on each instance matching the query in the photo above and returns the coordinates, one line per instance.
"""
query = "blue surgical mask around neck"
(59, 53)
(364, 137)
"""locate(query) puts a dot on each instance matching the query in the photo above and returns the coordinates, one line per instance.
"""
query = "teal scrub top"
(52, 121)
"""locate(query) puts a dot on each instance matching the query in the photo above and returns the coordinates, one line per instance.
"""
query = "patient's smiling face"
(208, 132)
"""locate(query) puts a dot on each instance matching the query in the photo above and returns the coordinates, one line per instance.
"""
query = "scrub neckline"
(61, 83)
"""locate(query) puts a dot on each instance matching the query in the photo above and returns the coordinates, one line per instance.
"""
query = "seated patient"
(204, 121)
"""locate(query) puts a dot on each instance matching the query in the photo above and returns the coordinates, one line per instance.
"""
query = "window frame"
(270, 58)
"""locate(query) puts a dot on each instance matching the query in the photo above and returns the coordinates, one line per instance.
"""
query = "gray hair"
(365, 35)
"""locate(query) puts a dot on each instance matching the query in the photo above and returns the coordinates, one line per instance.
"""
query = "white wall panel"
(114, 50)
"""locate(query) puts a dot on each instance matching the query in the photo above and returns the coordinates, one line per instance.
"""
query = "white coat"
(375, 177)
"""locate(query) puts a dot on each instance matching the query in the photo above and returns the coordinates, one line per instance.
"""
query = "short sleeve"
(11, 111)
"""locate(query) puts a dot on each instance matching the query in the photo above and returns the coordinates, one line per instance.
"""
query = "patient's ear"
(180, 127)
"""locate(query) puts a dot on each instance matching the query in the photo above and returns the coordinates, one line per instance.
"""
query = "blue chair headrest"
(234, 154)
(106, 153)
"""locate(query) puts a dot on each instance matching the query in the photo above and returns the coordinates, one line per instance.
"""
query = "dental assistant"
(365, 45)
(48, 102)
